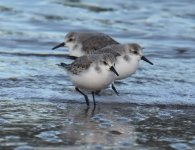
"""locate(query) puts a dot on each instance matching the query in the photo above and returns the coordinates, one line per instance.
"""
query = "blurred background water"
(39, 106)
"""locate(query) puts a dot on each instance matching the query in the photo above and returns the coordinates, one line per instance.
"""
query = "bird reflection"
(90, 112)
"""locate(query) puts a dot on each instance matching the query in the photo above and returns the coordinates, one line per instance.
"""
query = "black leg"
(86, 110)
(93, 94)
(97, 92)
(93, 111)
(86, 98)
(114, 89)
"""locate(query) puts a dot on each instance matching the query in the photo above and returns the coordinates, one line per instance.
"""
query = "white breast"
(93, 80)
(126, 68)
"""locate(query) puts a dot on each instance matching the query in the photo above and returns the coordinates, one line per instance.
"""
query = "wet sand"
(44, 125)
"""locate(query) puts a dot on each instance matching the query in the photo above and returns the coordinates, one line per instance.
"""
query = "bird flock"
(99, 61)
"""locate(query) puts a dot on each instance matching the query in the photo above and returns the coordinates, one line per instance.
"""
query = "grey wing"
(114, 49)
(80, 65)
(97, 42)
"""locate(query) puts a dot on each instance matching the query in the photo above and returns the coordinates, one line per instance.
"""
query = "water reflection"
(107, 125)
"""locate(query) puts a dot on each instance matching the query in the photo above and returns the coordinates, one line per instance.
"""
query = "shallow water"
(39, 106)
(41, 125)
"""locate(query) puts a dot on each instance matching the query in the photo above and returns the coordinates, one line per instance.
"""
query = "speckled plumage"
(120, 49)
(116, 49)
(92, 72)
(97, 41)
(81, 64)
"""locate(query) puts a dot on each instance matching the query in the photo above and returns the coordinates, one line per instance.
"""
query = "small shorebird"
(127, 60)
(84, 43)
(91, 72)
(81, 43)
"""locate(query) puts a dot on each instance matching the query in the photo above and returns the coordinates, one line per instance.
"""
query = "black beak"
(59, 45)
(113, 70)
(145, 59)
(62, 65)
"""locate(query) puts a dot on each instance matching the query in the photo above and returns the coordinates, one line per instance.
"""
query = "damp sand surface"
(43, 125)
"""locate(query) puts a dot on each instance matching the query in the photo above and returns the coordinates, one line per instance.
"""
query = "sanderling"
(81, 43)
(91, 72)
(127, 60)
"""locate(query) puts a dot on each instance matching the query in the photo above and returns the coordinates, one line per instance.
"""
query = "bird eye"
(105, 63)
(135, 52)
(70, 40)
